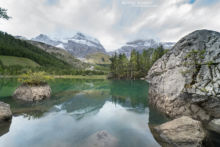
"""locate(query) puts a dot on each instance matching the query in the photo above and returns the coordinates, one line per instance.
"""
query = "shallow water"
(77, 110)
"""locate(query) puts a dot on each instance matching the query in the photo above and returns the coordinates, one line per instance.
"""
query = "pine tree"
(138, 65)
(3, 13)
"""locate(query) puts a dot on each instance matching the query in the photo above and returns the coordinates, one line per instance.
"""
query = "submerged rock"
(214, 125)
(181, 132)
(32, 92)
(5, 112)
(101, 139)
(185, 81)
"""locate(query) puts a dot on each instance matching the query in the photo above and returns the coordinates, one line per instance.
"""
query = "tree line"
(135, 66)
(10, 46)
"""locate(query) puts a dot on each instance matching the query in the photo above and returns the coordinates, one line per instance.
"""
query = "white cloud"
(111, 21)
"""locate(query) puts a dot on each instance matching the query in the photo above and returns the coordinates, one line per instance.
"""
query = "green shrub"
(34, 78)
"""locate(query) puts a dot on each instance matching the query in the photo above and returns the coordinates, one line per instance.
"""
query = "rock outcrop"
(32, 92)
(186, 80)
(181, 132)
(5, 112)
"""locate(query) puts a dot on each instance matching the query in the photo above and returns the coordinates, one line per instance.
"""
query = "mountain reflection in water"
(79, 110)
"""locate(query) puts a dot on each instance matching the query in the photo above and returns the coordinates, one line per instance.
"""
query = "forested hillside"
(136, 66)
(11, 47)
(60, 54)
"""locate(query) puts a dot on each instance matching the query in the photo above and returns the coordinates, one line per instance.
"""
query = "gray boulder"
(186, 80)
(181, 132)
(32, 92)
(214, 125)
(5, 112)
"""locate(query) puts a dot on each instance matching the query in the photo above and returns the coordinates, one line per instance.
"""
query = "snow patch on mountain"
(77, 38)
(79, 45)
(60, 46)
(80, 36)
(140, 45)
(45, 39)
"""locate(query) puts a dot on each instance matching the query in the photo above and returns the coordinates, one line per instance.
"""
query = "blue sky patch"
(51, 2)
(192, 1)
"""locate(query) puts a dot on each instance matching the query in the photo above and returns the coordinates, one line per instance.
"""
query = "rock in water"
(101, 139)
(186, 80)
(182, 132)
(5, 112)
(32, 92)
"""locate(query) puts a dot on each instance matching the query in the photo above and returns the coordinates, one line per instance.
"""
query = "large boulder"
(28, 92)
(186, 80)
(181, 132)
(5, 112)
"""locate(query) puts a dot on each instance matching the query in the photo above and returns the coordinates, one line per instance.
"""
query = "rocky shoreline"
(185, 82)
(24, 92)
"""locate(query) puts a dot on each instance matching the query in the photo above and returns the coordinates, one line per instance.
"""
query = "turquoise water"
(77, 110)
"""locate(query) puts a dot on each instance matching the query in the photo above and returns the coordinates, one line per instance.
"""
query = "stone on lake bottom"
(101, 139)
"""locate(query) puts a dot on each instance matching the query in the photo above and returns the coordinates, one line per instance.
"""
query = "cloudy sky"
(113, 22)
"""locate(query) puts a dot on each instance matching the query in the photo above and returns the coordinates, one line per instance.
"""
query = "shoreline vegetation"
(63, 76)
(136, 66)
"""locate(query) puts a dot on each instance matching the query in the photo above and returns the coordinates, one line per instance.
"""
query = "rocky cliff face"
(186, 80)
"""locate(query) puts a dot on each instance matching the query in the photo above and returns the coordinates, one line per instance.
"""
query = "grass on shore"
(12, 61)
(68, 76)
(81, 77)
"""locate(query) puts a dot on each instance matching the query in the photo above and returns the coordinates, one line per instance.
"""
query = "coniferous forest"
(12, 47)
(136, 66)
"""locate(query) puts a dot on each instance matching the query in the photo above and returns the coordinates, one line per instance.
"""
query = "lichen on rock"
(186, 80)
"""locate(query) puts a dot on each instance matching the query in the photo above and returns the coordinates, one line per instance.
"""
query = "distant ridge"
(140, 45)
(80, 45)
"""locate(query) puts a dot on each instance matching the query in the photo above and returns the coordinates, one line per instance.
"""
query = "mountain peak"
(81, 36)
(42, 36)
(79, 45)
(140, 44)
(44, 39)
